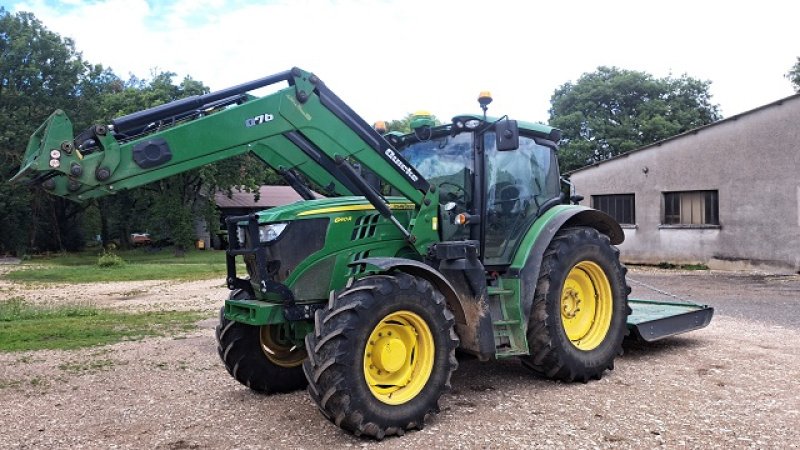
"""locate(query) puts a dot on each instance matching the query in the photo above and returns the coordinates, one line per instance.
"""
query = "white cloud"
(388, 58)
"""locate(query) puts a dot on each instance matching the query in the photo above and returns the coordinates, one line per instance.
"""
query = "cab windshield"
(447, 163)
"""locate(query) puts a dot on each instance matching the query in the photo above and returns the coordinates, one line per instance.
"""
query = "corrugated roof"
(269, 197)
(687, 133)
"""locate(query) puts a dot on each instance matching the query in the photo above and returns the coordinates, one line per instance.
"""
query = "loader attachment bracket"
(292, 311)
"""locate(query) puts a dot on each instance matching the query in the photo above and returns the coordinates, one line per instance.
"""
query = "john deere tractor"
(452, 237)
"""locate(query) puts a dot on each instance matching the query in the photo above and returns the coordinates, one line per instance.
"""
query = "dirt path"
(128, 295)
(731, 385)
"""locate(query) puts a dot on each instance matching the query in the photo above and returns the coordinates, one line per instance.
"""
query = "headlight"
(266, 233)
(270, 232)
(472, 124)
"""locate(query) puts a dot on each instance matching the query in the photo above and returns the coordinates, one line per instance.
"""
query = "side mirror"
(507, 133)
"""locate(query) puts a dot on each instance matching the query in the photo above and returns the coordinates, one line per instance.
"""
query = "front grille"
(298, 241)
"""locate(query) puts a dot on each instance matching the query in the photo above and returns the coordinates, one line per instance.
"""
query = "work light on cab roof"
(484, 98)
(420, 119)
(380, 127)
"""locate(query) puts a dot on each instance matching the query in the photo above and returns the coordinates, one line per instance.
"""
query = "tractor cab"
(494, 176)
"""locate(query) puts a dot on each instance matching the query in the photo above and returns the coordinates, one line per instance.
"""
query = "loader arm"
(302, 128)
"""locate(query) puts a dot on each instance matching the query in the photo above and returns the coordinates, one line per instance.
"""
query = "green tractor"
(452, 237)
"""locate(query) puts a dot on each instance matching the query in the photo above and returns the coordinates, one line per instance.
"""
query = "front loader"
(450, 237)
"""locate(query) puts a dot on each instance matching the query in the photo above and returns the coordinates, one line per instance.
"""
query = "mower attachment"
(652, 320)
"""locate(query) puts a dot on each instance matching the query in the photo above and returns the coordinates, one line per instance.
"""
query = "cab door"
(519, 183)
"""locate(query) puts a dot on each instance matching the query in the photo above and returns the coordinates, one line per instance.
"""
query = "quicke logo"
(400, 164)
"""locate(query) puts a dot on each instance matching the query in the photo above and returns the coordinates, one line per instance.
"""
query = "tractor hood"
(326, 207)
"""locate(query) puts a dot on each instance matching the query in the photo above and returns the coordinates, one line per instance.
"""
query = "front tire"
(381, 355)
(580, 308)
(260, 358)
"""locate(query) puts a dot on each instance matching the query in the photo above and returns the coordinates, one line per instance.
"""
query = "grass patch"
(25, 326)
(132, 265)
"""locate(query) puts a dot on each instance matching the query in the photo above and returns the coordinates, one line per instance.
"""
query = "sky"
(393, 57)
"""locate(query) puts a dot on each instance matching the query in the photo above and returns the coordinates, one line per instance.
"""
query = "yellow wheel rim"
(586, 305)
(278, 348)
(398, 357)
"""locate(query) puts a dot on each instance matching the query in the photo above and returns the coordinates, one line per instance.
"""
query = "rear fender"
(527, 263)
(473, 323)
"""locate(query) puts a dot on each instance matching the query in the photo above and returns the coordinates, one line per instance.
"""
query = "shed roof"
(268, 197)
(690, 132)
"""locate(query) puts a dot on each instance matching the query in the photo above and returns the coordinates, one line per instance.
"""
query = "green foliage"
(168, 208)
(108, 259)
(612, 111)
(39, 72)
(404, 125)
(28, 326)
(794, 75)
(139, 264)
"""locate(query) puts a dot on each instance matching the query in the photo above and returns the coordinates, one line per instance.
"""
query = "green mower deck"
(652, 320)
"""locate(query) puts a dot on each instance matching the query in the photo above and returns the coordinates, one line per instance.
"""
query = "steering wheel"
(453, 195)
(507, 198)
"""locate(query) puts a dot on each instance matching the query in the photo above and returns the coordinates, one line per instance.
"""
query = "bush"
(108, 259)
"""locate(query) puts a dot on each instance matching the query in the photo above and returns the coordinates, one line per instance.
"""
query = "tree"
(39, 72)
(168, 208)
(794, 75)
(612, 111)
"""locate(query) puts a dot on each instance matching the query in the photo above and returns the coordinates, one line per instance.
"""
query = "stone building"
(726, 195)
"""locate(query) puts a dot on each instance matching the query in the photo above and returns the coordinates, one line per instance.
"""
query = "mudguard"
(473, 322)
(528, 260)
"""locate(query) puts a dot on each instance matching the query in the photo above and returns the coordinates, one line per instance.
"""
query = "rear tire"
(580, 308)
(381, 355)
(256, 356)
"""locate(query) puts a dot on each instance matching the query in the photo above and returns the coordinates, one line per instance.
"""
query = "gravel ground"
(731, 385)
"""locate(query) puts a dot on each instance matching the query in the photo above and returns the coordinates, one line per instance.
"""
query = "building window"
(691, 208)
(619, 206)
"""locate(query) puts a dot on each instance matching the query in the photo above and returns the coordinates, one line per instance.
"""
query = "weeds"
(670, 266)
(89, 366)
(4, 384)
(110, 260)
(39, 382)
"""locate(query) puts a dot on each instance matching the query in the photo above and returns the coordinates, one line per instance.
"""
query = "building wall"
(753, 160)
